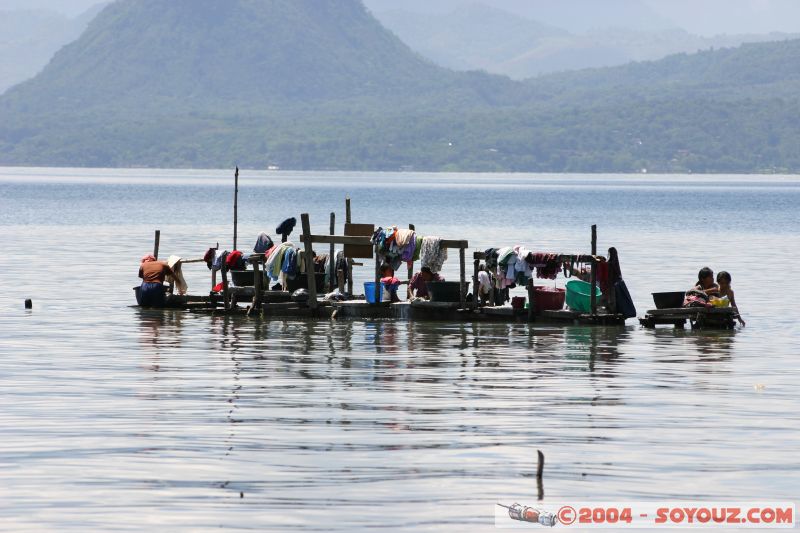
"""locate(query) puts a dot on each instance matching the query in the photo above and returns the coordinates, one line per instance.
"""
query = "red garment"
(602, 276)
(233, 259)
(545, 263)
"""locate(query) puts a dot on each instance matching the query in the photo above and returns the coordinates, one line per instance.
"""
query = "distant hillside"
(201, 52)
(475, 36)
(320, 84)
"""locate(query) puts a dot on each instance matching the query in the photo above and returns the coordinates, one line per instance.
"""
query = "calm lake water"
(117, 418)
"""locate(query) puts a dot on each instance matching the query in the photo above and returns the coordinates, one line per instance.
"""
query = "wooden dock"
(259, 301)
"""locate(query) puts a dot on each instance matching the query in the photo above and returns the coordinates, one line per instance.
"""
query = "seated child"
(390, 284)
(725, 290)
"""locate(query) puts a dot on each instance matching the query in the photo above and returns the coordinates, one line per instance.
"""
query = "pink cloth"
(148, 258)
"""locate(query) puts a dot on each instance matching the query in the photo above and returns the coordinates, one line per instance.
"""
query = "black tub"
(446, 291)
(668, 300)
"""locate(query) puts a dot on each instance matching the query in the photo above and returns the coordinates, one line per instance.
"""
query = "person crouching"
(152, 292)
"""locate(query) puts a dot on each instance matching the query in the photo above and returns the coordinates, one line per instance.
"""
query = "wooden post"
(593, 297)
(462, 265)
(349, 219)
(540, 475)
(531, 301)
(157, 243)
(476, 292)
(309, 259)
(226, 294)
(378, 291)
(257, 278)
(235, 207)
(411, 266)
(331, 258)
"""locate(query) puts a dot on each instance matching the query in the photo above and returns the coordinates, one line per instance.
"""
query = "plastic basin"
(547, 299)
(369, 291)
(579, 295)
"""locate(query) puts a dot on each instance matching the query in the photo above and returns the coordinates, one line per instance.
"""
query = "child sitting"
(725, 290)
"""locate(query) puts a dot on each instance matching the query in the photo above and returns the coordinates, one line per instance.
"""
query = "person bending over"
(418, 286)
(153, 273)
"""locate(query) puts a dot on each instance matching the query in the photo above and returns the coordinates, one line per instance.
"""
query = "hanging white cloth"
(174, 263)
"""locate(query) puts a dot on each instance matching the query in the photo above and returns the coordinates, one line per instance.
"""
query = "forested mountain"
(312, 84)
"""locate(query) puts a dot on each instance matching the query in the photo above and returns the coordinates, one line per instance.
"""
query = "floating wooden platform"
(698, 317)
(278, 304)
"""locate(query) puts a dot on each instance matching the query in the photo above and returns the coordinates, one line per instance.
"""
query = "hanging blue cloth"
(289, 266)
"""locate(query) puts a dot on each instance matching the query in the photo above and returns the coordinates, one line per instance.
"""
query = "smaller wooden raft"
(698, 317)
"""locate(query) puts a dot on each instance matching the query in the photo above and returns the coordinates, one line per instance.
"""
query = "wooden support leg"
(593, 297)
(462, 262)
(349, 219)
(226, 293)
(309, 259)
(378, 292)
(531, 301)
(476, 289)
(331, 258)
(257, 277)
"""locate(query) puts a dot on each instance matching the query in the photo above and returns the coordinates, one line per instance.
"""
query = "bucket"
(547, 299)
(446, 291)
(579, 296)
(369, 291)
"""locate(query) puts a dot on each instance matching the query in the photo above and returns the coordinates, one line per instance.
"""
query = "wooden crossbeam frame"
(309, 240)
(592, 259)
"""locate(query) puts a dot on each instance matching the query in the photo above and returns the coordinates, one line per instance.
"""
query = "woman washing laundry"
(418, 286)
(152, 292)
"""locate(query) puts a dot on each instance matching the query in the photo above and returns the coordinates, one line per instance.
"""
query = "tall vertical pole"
(593, 297)
(309, 259)
(349, 220)
(378, 291)
(157, 243)
(410, 266)
(476, 292)
(462, 265)
(235, 207)
(331, 258)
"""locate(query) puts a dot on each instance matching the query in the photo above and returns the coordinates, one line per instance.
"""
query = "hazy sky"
(709, 17)
(68, 7)
(704, 17)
